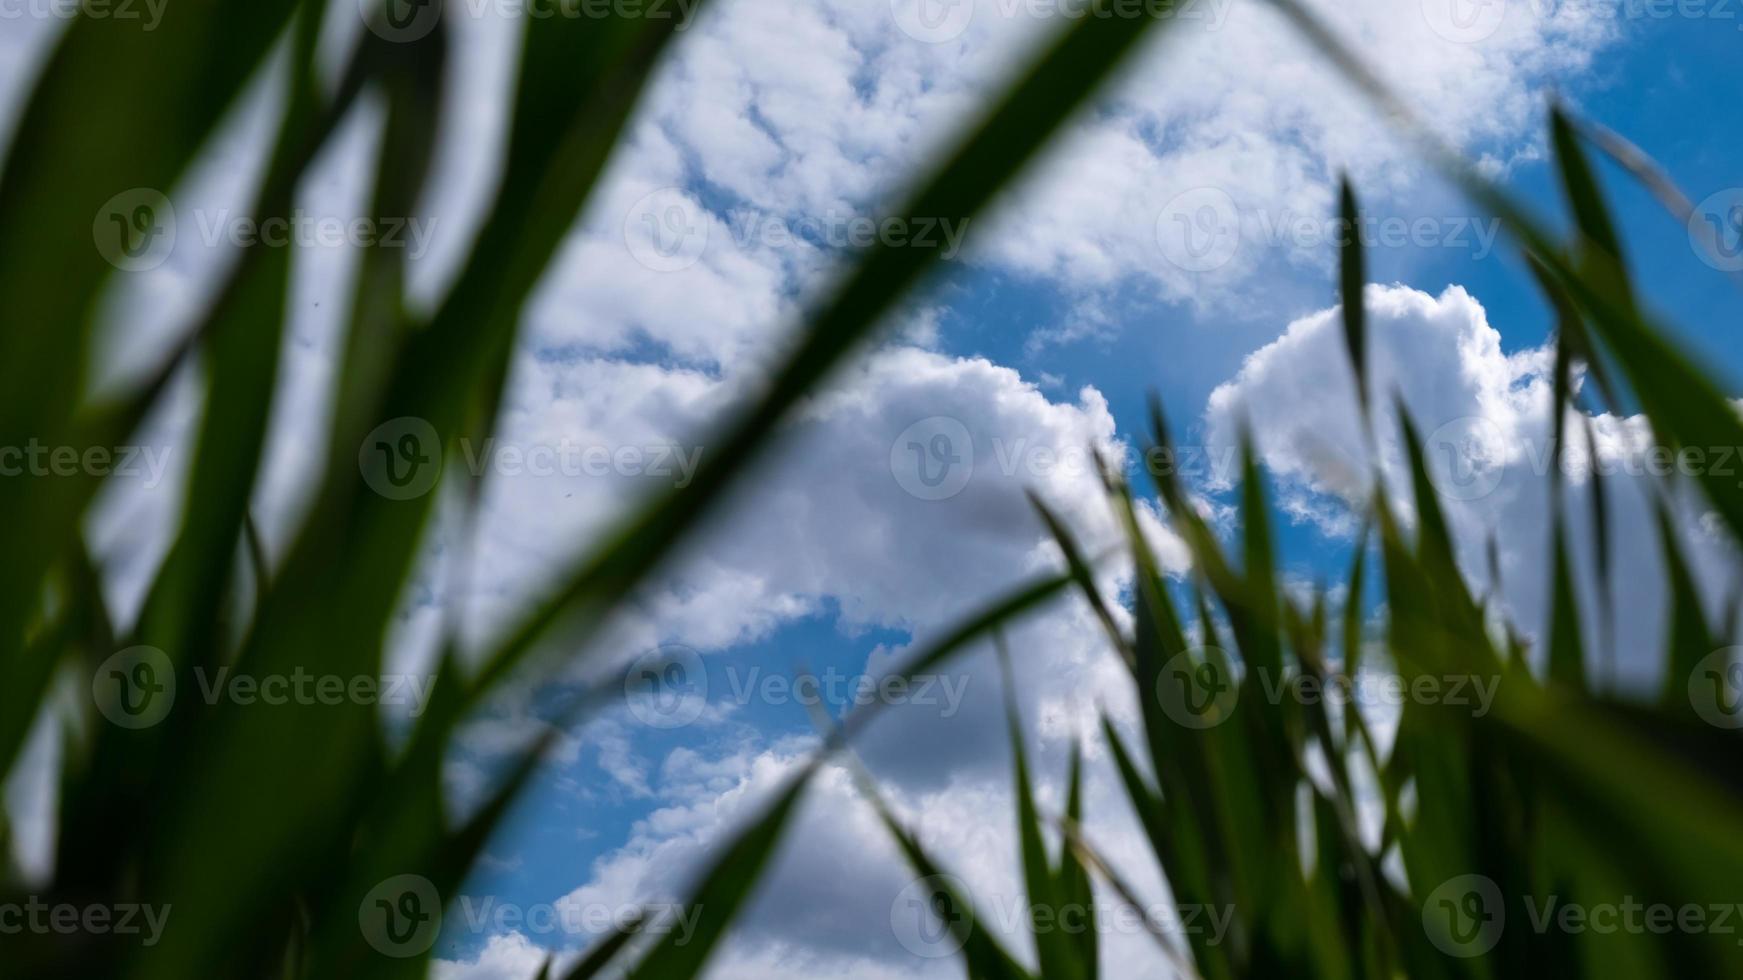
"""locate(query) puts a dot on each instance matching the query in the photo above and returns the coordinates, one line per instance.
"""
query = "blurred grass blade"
(722, 889)
(1601, 247)
(1353, 279)
(1690, 638)
(1014, 604)
(603, 952)
(1045, 97)
(981, 951)
(1567, 657)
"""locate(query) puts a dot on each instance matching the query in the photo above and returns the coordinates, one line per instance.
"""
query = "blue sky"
(1659, 82)
(1070, 303)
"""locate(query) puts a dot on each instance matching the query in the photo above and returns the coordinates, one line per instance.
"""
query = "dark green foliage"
(267, 831)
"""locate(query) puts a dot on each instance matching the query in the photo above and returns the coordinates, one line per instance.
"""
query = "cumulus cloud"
(1488, 433)
(832, 903)
(658, 314)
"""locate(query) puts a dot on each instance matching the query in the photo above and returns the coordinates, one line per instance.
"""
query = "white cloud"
(793, 110)
(506, 956)
(827, 907)
(1484, 416)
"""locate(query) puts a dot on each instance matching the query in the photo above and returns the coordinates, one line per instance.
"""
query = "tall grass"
(1511, 841)
(273, 834)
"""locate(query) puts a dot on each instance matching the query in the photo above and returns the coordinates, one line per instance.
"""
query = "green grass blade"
(721, 890)
(1046, 96)
(1567, 656)
(1052, 946)
(1072, 885)
(1353, 279)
